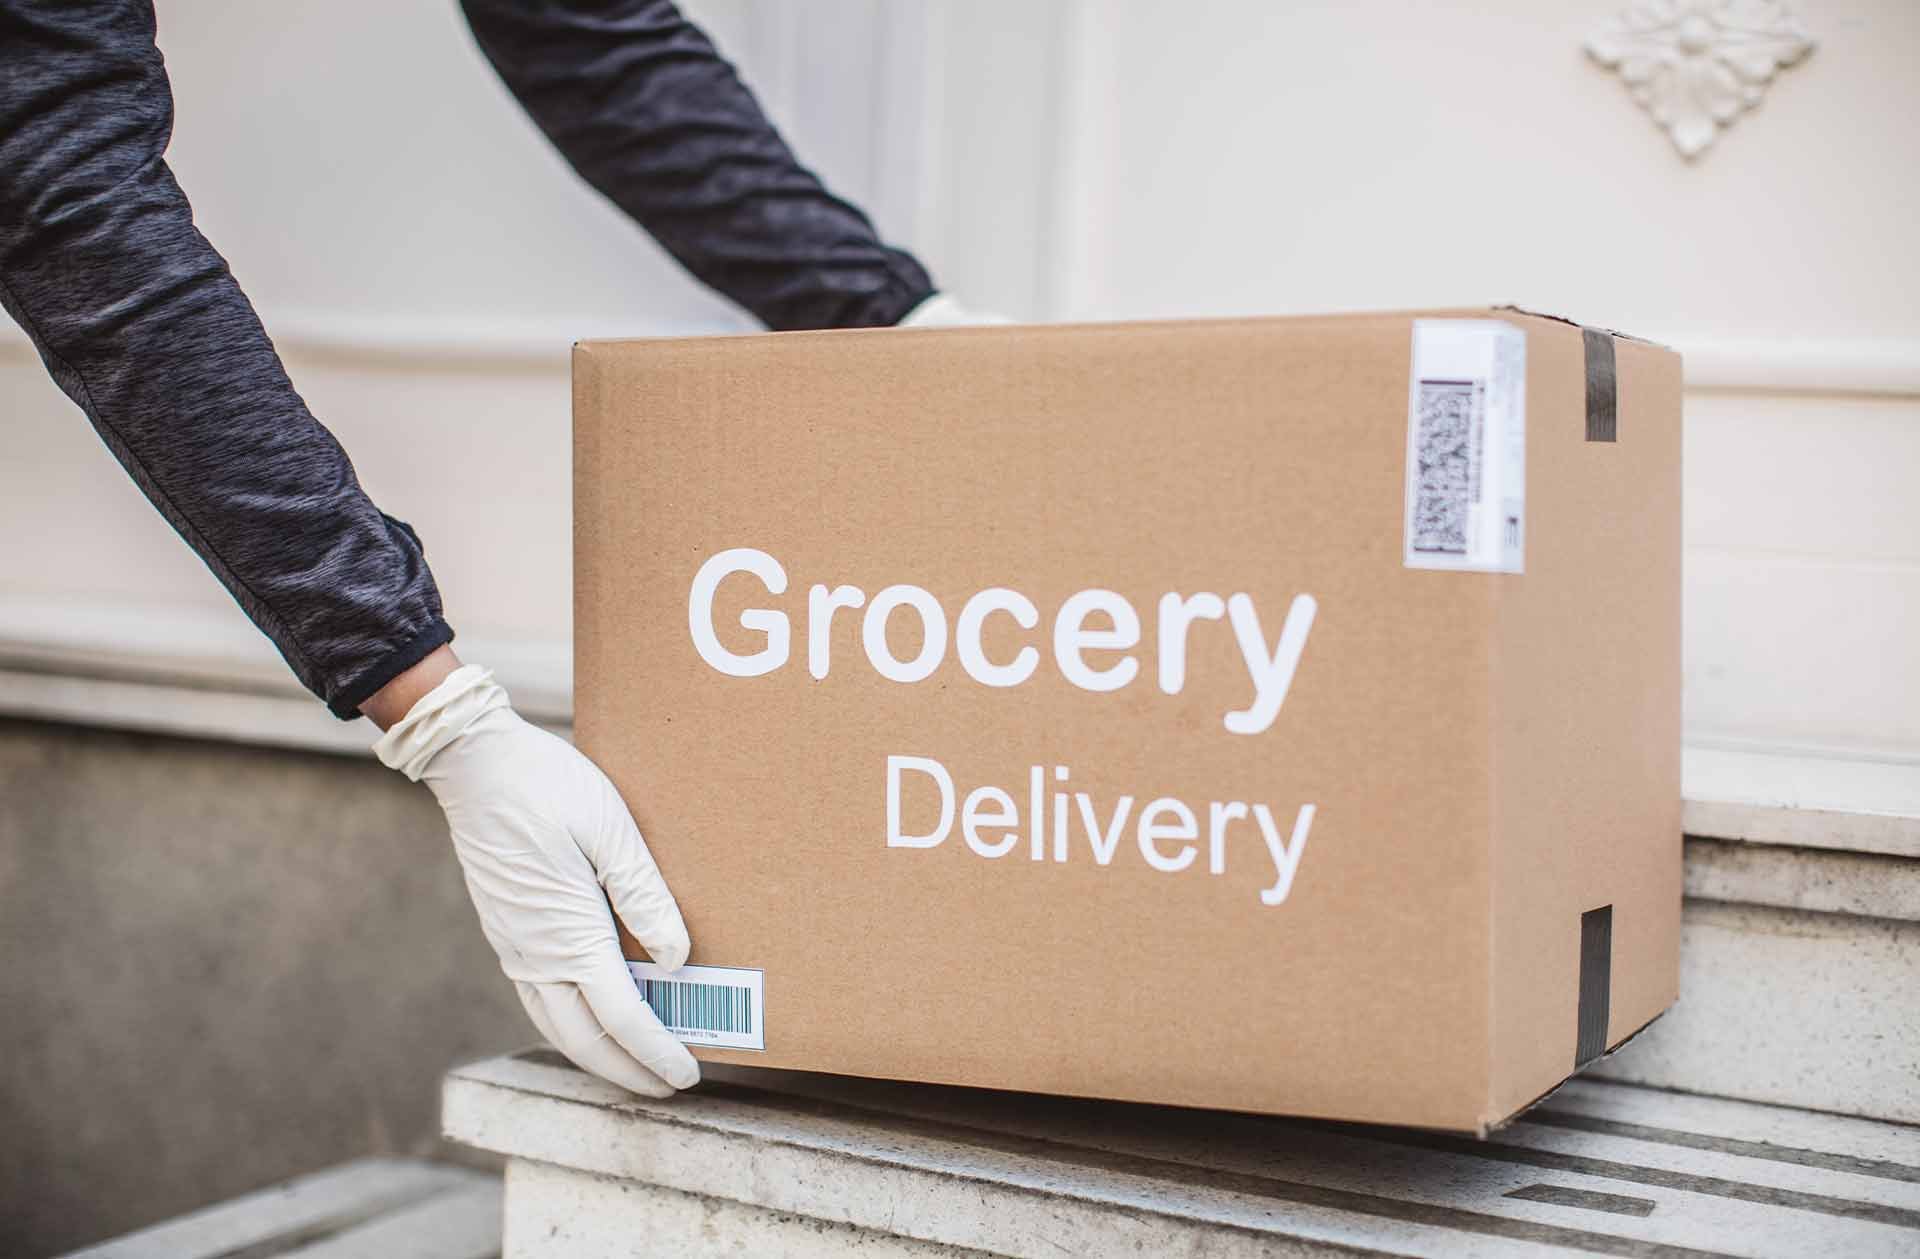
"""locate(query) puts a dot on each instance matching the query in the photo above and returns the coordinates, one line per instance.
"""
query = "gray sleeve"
(141, 323)
(641, 104)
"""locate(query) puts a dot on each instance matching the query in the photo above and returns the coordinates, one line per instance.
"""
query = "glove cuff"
(942, 311)
(438, 718)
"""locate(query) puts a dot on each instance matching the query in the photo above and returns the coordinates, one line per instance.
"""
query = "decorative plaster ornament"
(1696, 65)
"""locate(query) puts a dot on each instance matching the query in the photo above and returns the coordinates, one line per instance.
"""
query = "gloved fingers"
(618, 1007)
(569, 1023)
(638, 890)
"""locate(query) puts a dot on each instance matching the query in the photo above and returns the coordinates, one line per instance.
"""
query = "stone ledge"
(1798, 969)
(1825, 881)
(368, 1209)
(1791, 1007)
(805, 1163)
(1848, 802)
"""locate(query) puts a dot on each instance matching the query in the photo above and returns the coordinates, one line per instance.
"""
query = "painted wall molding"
(203, 672)
(1840, 365)
(1801, 366)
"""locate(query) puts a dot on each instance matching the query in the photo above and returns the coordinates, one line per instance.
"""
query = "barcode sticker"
(1467, 446)
(722, 1007)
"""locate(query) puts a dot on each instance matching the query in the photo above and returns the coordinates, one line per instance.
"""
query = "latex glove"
(539, 832)
(942, 311)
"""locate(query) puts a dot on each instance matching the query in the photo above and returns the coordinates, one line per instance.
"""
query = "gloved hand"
(942, 311)
(539, 832)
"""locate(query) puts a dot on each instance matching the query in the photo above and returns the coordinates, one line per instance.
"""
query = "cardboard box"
(1340, 657)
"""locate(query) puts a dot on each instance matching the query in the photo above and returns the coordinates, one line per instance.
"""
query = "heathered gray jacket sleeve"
(141, 323)
(637, 99)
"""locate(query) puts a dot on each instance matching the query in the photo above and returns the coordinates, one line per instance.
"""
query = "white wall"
(1235, 156)
(423, 260)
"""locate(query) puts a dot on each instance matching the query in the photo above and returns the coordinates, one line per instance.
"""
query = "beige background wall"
(424, 260)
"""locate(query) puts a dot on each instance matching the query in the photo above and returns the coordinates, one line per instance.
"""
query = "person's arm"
(641, 104)
(142, 324)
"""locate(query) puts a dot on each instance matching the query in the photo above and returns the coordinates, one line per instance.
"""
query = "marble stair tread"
(371, 1208)
(1599, 1168)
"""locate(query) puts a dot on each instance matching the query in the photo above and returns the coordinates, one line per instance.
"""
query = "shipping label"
(1467, 446)
(719, 1007)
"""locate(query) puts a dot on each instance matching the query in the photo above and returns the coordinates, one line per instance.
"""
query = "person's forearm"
(638, 100)
(141, 323)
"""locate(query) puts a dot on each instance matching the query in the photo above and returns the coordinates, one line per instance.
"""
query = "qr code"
(1447, 463)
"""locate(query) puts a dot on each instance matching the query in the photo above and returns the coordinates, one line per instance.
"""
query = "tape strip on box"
(1603, 387)
(1596, 985)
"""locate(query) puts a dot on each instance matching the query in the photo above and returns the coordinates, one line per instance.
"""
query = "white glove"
(539, 831)
(942, 311)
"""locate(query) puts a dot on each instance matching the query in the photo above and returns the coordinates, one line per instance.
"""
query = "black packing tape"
(1603, 387)
(1596, 984)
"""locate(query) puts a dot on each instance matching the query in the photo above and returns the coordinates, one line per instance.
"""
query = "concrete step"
(1800, 971)
(373, 1208)
(783, 1163)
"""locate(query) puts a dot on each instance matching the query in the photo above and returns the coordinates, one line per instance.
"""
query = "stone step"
(1807, 800)
(784, 1163)
(372, 1208)
(1799, 979)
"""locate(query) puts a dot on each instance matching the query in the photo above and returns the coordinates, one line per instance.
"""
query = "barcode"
(723, 1007)
(1467, 446)
(699, 1007)
(1448, 456)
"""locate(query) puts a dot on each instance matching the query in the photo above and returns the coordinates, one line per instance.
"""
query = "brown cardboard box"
(1343, 816)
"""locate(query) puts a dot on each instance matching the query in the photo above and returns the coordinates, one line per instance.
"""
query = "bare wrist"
(392, 702)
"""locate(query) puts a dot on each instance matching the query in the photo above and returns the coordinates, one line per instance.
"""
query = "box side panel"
(1587, 715)
(1257, 461)
(596, 619)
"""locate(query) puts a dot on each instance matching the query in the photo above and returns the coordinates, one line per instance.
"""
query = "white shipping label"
(1467, 446)
(720, 1007)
